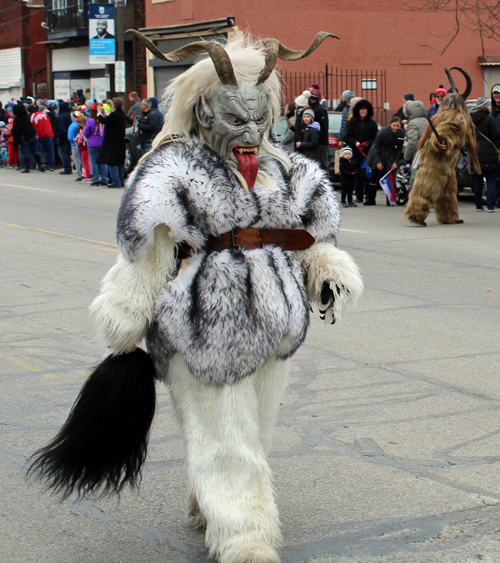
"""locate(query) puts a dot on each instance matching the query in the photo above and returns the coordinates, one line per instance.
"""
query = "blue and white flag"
(387, 184)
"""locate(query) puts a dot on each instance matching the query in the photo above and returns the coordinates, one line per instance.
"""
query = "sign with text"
(120, 76)
(102, 46)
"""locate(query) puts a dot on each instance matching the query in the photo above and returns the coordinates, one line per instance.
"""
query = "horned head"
(234, 115)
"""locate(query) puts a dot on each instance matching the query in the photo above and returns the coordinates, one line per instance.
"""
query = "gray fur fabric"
(227, 312)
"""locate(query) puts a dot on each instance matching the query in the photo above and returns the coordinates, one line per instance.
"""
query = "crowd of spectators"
(369, 152)
(77, 136)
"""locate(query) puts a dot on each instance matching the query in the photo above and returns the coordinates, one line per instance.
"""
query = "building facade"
(22, 62)
(67, 40)
(385, 49)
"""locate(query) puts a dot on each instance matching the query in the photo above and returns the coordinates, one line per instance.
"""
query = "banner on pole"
(102, 46)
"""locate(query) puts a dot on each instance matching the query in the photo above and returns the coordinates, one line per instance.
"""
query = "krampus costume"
(436, 182)
(217, 269)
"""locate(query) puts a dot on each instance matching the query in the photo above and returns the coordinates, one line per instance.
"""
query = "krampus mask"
(237, 115)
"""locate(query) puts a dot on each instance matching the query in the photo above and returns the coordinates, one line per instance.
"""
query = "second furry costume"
(435, 182)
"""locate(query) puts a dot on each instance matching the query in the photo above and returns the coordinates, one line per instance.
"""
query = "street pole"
(120, 86)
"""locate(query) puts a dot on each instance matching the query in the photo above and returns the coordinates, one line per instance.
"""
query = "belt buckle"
(234, 243)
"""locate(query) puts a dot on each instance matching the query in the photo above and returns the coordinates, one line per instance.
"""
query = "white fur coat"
(227, 312)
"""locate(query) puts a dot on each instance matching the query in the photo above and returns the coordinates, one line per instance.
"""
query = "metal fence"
(71, 17)
(367, 84)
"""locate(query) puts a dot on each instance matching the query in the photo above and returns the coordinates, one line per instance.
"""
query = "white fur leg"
(270, 384)
(124, 307)
(325, 262)
(228, 471)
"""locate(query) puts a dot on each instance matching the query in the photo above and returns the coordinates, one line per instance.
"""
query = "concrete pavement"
(387, 445)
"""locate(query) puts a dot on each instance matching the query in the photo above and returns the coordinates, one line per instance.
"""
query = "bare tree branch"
(470, 16)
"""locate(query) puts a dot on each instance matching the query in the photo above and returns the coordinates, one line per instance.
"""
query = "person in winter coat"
(157, 112)
(400, 113)
(80, 97)
(321, 118)
(495, 113)
(384, 156)
(135, 107)
(440, 96)
(347, 176)
(148, 126)
(63, 121)
(13, 151)
(3, 114)
(25, 138)
(487, 136)
(44, 132)
(94, 133)
(113, 147)
(360, 133)
(301, 104)
(73, 130)
(436, 181)
(288, 138)
(347, 95)
(310, 133)
(309, 145)
(414, 132)
(83, 148)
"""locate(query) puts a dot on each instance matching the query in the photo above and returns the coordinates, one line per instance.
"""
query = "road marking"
(17, 362)
(26, 187)
(58, 234)
(351, 231)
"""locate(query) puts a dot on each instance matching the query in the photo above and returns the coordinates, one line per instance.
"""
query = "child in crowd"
(347, 177)
(81, 143)
(4, 144)
(13, 159)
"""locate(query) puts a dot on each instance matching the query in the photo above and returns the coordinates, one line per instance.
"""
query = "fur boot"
(227, 430)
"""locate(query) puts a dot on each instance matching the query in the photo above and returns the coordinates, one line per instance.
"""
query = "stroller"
(403, 176)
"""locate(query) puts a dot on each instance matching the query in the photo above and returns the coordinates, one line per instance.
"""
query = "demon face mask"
(233, 122)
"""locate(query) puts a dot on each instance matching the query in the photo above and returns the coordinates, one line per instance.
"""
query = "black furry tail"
(103, 443)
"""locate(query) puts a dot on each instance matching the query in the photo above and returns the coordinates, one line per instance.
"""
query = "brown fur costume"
(435, 181)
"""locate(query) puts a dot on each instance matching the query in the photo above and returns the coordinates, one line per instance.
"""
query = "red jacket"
(42, 125)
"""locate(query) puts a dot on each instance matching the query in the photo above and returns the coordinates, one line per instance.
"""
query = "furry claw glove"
(331, 275)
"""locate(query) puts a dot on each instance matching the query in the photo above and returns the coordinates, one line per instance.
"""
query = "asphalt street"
(387, 445)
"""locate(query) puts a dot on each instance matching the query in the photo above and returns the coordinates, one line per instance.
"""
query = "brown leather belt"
(250, 239)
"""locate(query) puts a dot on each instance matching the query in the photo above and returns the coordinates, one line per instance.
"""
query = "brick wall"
(20, 27)
(378, 35)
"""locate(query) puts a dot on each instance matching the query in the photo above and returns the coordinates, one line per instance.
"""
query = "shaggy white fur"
(227, 430)
(124, 308)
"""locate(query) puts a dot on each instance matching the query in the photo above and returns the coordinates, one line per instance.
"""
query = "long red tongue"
(249, 166)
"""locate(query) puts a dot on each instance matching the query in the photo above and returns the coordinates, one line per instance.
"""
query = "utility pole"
(120, 81)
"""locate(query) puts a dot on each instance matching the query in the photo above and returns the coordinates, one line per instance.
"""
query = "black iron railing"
(72, 17)
(367, 84)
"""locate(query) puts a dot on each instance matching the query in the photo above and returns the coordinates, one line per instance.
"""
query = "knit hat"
(440, 91)
(303, 99)
(308, 112)
(348, 95)
(483, 102)
(409, 97)
(346, 150)
(314, 89)
(354, 101)
(2, 123)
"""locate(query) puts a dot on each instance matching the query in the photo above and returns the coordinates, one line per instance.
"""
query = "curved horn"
(276, 49)
(219, 57)
(452, 84)
(468, 88)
